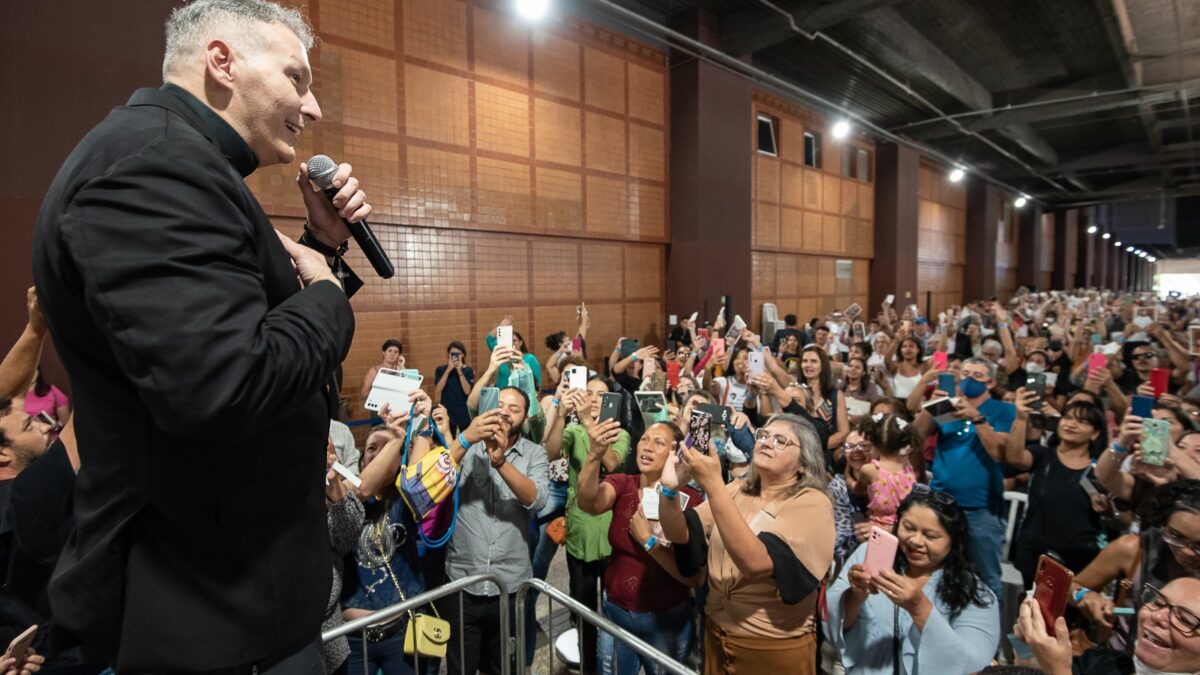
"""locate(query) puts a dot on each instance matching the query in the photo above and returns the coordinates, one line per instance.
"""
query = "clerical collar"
(228, 140)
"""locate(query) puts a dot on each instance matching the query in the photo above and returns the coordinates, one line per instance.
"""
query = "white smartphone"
(504, 337)
(755, 364)
(392, 387)
(890, 299)
(693, 317)
(347, 474)
(577, 377)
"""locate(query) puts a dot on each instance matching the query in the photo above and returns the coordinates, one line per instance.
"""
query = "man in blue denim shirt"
(503, 482)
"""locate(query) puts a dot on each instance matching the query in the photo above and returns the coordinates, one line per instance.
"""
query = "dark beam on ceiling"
(755, 26)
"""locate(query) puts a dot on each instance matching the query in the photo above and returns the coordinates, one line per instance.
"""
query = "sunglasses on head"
(924, 491)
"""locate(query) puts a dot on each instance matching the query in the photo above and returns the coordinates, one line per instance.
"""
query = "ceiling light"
(841, 129)
(957, 174)
(532, 10)
(1117, 244)
(1092, 229)
(1106, 235)
(1021, 201)
(1129, 249)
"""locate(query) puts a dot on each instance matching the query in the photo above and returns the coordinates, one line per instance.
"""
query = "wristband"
(556, 402)
(1079, 594)
(667, 492)
(462, 440)
(634, 357)
(650, 543)
(1118, 449)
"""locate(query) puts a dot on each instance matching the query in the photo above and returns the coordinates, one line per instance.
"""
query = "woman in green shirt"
(587, 535)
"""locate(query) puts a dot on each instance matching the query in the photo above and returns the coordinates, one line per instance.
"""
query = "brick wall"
(513, 170)
(805, 219)
(1007, 248)
(941, 238)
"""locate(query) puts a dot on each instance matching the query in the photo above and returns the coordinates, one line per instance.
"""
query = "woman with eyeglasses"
(644, 592)
(929, 614)
(1168, 637)
(1061, 516)
(767, 541)
(1167, 548)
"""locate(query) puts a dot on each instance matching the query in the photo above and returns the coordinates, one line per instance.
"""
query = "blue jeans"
(987, 544)
(542, 550)
(670, 632)
(386, 656)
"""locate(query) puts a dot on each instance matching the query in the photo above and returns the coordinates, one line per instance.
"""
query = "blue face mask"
(971, 388)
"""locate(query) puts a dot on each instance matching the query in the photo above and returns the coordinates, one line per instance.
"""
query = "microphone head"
(321, 170)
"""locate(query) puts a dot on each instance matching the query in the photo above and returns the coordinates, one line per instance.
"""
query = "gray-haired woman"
(767, 540)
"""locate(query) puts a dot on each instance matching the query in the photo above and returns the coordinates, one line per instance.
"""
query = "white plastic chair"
(1016, 503)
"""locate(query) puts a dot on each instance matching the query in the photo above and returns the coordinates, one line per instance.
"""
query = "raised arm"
(19, 368)
(498, 358)
(593, 495)
(1015, 452)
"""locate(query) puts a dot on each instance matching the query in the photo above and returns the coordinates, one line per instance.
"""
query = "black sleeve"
(692, 556)
(794, 579)
(182, 292)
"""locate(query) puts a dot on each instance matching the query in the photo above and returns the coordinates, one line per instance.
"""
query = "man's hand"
(325, 219)
(310, 266)
(483, 427)
(37, 321)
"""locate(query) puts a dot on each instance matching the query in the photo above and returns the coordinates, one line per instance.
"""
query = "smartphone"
(881, 551)
(889, 299)
(1159, 379)
(1142, 406)
(504, 337)
(577, 377)
(702, 332)
(1020, 649)
(699, 432)
(1036, 382)
(610, 406)
(906, 325)
(736, 328)
(577, 344)
(1156, 441)
(853, 311)
(653, 406)
(755, 364)
(718, 347)
(392, 387)
(649, 366)
(628, 347)
(1095, 338)
(489, 399)
(1096, 361)
(673, 369)
(941, 360)
(1051, 587)
(859, 331)
(21, 644)
(945, 382)
(694, 316)
(721, 414)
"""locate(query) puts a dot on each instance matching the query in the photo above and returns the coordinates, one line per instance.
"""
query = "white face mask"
(1034, 367)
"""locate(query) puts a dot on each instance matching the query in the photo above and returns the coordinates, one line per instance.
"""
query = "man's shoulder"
(994, 408)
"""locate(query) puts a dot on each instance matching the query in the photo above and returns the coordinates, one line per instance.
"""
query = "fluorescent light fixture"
(1092, 229)
(1129, 249)
(1021, 201)
(957, 174)
(532, 10)
(1118, 244)
(841, 129)
(1106, 235)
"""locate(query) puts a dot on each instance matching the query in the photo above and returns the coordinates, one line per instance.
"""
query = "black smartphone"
(720, 414)
(628, 346)
(610, 407)
(1036, 382)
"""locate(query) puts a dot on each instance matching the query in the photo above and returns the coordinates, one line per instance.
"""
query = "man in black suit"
(200, 363)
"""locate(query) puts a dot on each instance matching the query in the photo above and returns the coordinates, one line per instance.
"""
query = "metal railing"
(585, 613)
(454, 587)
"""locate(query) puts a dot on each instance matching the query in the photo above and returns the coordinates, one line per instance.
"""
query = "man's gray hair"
(189, 28)
(986, 363)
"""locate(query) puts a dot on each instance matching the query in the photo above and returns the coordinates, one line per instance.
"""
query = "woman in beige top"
(767, 540)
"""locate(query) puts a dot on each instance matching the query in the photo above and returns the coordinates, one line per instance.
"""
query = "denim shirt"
(371, 587)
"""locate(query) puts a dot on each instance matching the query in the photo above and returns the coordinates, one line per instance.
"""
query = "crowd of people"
(838, 496)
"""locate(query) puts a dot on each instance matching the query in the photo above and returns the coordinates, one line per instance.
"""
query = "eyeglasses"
(923, 490)
(1143, 356)
(862, 446)
(775, 441)
(1182, 619)
(1174, 539)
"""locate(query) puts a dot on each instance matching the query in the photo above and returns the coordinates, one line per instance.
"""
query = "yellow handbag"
(425, 635)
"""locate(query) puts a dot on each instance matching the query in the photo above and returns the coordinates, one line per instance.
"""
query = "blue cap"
(921, 319)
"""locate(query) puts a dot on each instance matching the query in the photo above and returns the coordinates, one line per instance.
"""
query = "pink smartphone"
(941, 361)
(718, 347)
(648, 367)
(1096, 361)
(21, 644)
(881, 551)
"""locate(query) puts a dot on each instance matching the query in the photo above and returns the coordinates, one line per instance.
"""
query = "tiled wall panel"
(513, 170)
(941, 239)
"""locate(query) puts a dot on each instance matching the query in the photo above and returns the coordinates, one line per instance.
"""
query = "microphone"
(321, 170)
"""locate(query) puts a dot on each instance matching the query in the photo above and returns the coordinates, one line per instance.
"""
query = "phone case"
(489, 399)
(881, 551)
(21, 644)
(1051, 587)
(1142, 406)
(1156, 441)
(673, 369)
(946, 382)
(392, 387)
(720, 414)
(1159, 379)
(628, 347)
(577, 377)
(648, 367)
(610, 406)
(755, 364)
(698, 430)
(1096, 362)
(504, 337)
(718, 346)
(941, 360)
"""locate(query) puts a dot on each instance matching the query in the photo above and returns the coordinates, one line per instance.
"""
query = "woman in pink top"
(49, 399)
(887, 480)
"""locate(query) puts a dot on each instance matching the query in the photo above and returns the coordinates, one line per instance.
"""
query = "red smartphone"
(881, 551)
(673, 374)
(718, 347)
(1051, 587)
(1159, 377)
(577, 344)
(941, 361)
(21, 644)
(1096, 361)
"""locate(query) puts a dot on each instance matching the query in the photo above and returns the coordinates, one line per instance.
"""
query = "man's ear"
(218, 63)
(7, 456)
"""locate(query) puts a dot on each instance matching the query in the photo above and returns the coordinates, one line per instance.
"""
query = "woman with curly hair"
(929, 614)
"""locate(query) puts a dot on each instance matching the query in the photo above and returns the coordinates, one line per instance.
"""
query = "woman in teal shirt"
(587, 535)
(528, 360)
(931, 610)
